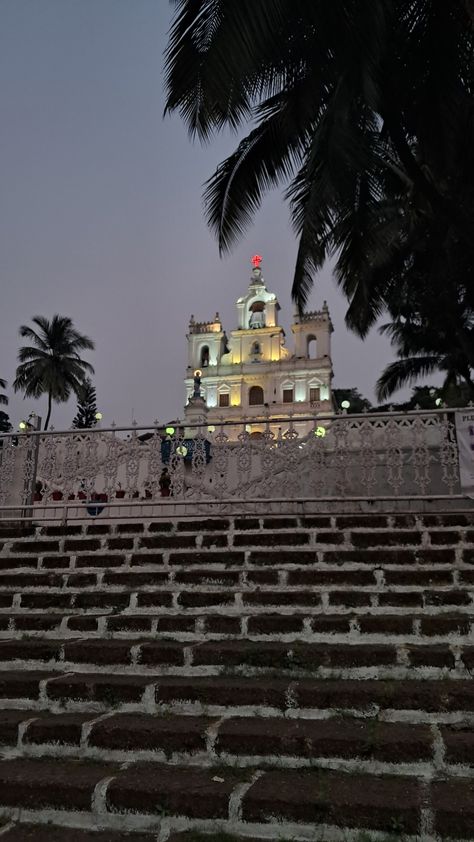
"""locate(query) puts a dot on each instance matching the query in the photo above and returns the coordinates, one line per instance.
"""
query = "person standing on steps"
(165, 483)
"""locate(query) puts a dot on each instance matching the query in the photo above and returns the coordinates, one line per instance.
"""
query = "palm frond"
(403, 373)
(221, 55)
(268, 155)
(376, 121)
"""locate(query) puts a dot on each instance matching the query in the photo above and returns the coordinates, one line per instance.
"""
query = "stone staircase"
(281, 678)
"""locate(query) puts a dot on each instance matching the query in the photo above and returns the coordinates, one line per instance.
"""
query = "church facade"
(252, 374)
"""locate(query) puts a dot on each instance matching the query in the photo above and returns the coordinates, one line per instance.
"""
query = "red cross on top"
(256, 261)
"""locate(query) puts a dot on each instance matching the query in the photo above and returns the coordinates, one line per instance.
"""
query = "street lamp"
(345, 404)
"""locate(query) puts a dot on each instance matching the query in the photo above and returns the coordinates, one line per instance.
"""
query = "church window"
(224, 399)
(288, 395)
(255, 396)
(311, 348)
(256, 348)
(314, 394)
(204, 356)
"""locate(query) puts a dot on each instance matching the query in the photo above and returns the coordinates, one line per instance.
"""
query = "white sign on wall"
(465, 437)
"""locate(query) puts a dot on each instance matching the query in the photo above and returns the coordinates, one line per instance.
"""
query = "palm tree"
(3, 398)
(423, 350)
(354, 106)
(52, 365)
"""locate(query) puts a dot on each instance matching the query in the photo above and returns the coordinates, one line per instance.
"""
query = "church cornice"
(276, 330)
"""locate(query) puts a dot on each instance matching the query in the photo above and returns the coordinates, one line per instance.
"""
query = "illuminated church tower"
(252, 374)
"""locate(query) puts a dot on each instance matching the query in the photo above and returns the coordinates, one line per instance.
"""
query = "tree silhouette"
(86, 407)
(52, 365)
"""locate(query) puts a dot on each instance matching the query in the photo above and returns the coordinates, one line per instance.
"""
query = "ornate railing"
(341, 457)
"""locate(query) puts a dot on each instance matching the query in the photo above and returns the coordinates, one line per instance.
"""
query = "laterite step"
(215, 680)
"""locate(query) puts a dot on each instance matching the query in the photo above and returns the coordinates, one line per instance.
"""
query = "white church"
(251, 374)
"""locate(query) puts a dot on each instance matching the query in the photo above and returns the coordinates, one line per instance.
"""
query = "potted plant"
(120, 492)
(57, 494)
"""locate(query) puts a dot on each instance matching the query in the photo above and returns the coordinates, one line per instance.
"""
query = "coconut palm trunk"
(50, 406)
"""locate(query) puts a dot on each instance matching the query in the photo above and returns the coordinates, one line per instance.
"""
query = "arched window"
(204, 356)
(257, 314)
(311, 348)
(255, 396)
(256, 349)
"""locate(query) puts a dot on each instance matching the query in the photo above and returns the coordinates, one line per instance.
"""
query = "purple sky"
(101, 215)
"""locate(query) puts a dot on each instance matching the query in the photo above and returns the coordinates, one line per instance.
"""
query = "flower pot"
(57, 495)
(120, 494)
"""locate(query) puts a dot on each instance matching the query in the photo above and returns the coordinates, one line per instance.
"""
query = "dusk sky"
(101, 212)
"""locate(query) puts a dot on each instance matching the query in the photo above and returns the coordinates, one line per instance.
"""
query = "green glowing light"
(169, 431)
(320, 432)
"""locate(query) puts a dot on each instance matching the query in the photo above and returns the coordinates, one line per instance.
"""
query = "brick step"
(172, 535)
(426, 700)
(297, 624)
(239, 522)
(57, 569)
(49, 833)
(398, 658)
(165, 736)
(108, 603)
(14, 832)
(209, 741)
(261, 799)
(29, 590)
(90, 606)
(308, 546)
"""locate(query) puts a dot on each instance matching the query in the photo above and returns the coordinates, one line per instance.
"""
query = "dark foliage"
(86, 406)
